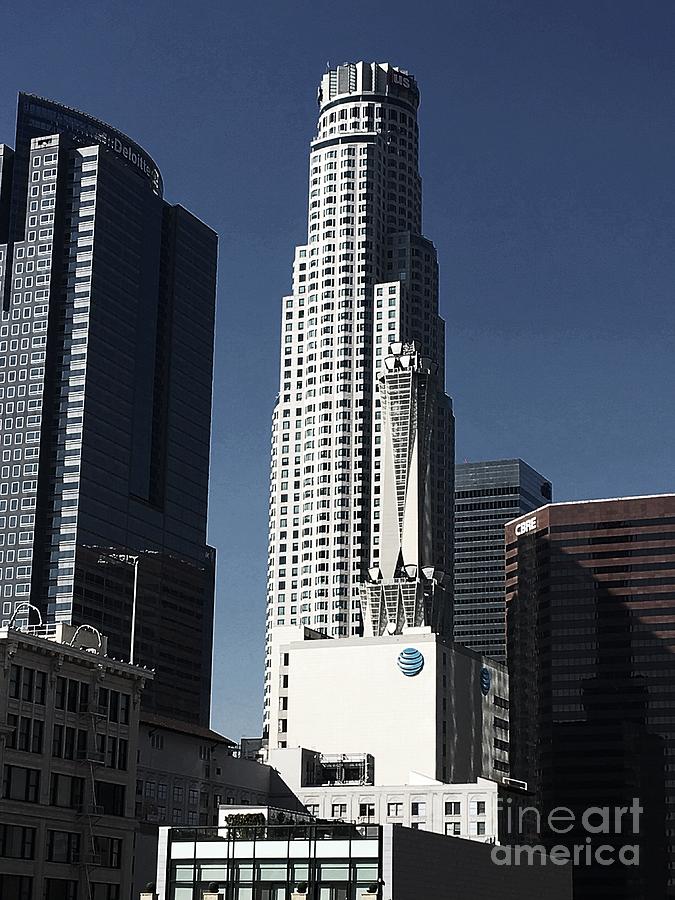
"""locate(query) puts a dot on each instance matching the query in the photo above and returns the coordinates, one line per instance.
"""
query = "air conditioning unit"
(514, 783)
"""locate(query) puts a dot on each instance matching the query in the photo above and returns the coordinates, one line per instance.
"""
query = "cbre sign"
(527, 526)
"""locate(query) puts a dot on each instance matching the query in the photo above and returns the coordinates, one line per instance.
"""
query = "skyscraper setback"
(362, 461)
(106, 339)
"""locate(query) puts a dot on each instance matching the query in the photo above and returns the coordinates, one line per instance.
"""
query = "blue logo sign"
(410, 661)
(485, 681)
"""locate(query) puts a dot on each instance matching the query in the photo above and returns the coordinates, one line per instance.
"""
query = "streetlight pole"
(133, 607)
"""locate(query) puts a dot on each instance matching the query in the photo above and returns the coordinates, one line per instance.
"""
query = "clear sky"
(547, 152)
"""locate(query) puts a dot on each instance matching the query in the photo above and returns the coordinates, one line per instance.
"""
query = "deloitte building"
(106, 334)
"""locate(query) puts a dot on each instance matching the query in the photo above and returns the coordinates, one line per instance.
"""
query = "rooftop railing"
(324, 831)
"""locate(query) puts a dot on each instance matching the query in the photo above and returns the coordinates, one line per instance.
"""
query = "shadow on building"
(174, 621)
(590, 723)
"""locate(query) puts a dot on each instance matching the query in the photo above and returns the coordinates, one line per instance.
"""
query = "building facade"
(406, 729)
(342, 862)
(185, 774)
(106, 344)
(487, 495)
(340, 787)
(414, 704)
(68, 743)
(591, 625)
(365, 281)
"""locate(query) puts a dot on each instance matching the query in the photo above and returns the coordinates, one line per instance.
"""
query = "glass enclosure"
(328, 862)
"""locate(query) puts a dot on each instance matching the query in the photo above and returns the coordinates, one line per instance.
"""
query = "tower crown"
(380, 79)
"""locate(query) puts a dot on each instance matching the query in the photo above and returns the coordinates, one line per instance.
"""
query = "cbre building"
(590, 598)
(106, 346)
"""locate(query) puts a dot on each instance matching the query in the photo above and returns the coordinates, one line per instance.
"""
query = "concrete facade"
(338, 862)
(464, 810)
(427, 865)
(185, 774)
(68, 749)
(351, 696)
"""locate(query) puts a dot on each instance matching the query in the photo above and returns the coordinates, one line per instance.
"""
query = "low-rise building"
(68, 746)
(405, 729)
(185, 774)
(331, 861)
(338, 787)
(414, 702)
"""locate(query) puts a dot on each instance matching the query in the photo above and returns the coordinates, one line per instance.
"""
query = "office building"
(341, 787)
(384, 713)
(106, 339)
(362, 415)
(185, 774)
(487, 495)
(404, 729)
(412, 702)
(591, 641)
(331, 861)
(68, 744)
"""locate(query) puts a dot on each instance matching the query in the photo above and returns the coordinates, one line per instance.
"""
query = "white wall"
(431, 816)
(349, 696)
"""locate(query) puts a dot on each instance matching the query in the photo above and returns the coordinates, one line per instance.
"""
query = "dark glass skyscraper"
(591, 647)
(487, 495)
(106, 357)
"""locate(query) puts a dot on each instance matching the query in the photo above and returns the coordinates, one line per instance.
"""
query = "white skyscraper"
(362, 452)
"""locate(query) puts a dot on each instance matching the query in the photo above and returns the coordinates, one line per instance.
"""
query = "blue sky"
(547, 153)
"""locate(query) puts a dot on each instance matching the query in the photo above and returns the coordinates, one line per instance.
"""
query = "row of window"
(72, 695)
(67, 743)
(66, 791)
(19, 842)
(395, 809)
(20, 887)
